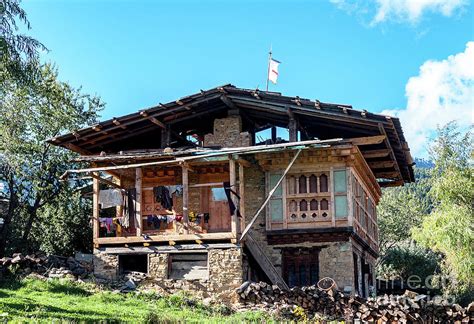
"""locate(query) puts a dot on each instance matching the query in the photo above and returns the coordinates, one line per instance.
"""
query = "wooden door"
(219, 213)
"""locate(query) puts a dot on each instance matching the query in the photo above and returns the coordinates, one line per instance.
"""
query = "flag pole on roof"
(272, 73)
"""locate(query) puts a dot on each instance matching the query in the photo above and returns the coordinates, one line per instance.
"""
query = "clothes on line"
(107, 222)
(229, 192)
(110, 198)
(162, 195)
(129, 208)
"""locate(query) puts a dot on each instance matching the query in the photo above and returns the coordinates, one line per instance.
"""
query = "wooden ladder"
(265, 263)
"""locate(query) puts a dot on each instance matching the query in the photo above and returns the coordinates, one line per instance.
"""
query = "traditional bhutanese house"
(195, 195)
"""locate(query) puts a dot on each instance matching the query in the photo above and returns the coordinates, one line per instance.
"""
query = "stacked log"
(335, 305)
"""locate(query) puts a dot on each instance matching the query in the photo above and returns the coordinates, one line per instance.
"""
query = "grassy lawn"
(55, 301)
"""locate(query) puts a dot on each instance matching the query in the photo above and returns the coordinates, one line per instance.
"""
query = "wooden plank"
(368, 140)
(110, 183)
(185, 199)
(138, 203)
(372, 154)
(189, 248)
(233, 183)
(95, 207)
(293, 130)
(77, 149)
(264, 262)
(389, 146)
(350, 200)
(166, 238)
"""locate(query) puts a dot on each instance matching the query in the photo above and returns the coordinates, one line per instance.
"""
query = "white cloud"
(400, 10)
(442, 92)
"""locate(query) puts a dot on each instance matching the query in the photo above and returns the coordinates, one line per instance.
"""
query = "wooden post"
(185, 199)
(233, 182)
(242, 194)
(95, 207)
(350, 197)
(165, 136)
(333, 202)
(138, 208)
(274, 134)
(293, 130)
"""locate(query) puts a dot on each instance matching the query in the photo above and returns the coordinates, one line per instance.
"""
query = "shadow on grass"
(28, 308)
(11, 284)
(67, 288)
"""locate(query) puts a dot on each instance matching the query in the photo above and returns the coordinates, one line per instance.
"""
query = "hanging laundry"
(197, 221)
(129, 208)
(191, 216)
(206, 218)
(179, 218)
(110, 198)
(162, 196)
(229, 192)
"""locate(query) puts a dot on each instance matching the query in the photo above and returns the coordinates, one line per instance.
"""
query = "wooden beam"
(152, 119)
(368, 140)
(118, 123)
(372, 154)
(244, 163)
(387, 175)
(395, 183)
(166, 238)
(96, 176)
(185, 199)
(77, 149)
(274, 134)
(95, 207)
(381, 164)
(138, 208)
(233, 187)
(228, 102)
(389, 146)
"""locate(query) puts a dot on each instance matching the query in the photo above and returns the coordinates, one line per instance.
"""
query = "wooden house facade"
(187, 192)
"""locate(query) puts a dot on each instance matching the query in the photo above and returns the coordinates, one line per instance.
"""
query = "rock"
(130, 284)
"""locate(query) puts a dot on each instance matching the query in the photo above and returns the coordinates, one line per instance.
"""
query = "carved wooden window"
(303, 199)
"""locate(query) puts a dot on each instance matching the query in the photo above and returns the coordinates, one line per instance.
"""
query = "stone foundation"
(106, 266)
(224, 266)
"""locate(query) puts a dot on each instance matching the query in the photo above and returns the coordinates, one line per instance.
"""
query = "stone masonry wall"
(106, 266)
(228, 133)
(336, 261)
(254, 195)
(225, 273)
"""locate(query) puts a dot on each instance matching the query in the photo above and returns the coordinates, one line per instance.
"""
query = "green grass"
(59, 301)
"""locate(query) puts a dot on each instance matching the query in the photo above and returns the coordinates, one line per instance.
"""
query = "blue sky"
(135, 54)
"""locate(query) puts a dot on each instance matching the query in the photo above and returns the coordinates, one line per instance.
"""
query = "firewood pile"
(50, 266)
(330, 304)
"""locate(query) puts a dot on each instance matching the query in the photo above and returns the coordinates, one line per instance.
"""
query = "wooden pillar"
(350, 197)
(233, 182)
(241, 194)
(333, 203)
(293, 130)
(274, 134)
(95, 207)
(185, 199)
(165, 136)
(138, 202)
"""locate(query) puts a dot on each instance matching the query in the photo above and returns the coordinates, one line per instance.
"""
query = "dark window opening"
(133, 262)
(188, 266)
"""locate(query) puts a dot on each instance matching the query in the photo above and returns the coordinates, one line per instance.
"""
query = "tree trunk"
(7, 219)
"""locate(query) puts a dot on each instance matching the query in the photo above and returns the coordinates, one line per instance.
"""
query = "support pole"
(242, 195)
(270, 194)
(293, 130)
(233, 182)
(185, 199)
(138, 208)
(95, 206)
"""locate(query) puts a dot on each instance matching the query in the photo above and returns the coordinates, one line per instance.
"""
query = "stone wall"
(336, 261)
(228, 133)
(106, 266)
